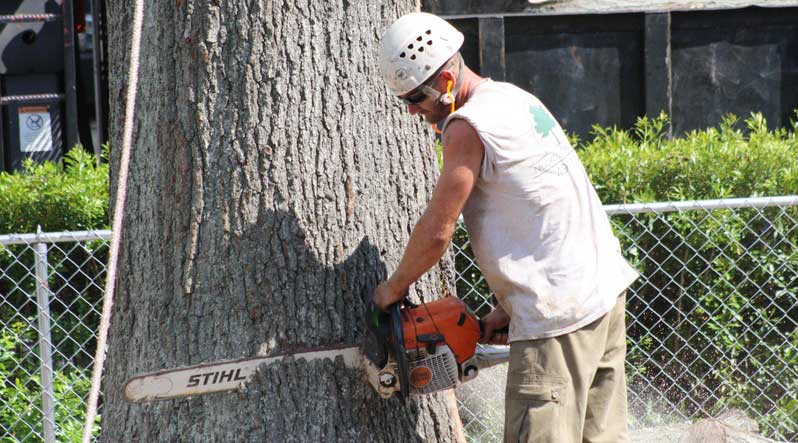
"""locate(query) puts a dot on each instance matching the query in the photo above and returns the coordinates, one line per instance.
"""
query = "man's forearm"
(462, 157)
(426, 246)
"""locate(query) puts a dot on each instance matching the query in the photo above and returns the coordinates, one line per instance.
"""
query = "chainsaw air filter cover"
(432, 372)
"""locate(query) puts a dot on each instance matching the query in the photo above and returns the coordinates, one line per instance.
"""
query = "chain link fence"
(711, 322)
(50, 301)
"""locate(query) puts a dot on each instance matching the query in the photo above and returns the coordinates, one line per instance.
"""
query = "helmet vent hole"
(419, 38)
(413, 57)
(420, 49)
(402, 55)
(429, 31)
(429, 42)
(410, 46)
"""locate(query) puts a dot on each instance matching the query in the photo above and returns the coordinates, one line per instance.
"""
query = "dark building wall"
(583, 73)
(734, 62)
(608, 69)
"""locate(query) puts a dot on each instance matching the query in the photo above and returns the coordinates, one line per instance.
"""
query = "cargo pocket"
(533, 408)
(540, 388)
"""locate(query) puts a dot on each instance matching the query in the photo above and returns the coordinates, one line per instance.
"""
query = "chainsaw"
(411, 350)
(431, 347)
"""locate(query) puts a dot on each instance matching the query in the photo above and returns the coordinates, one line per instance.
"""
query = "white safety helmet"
(414, 47)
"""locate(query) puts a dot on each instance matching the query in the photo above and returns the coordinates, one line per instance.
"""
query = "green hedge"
(642, 165)
(72, 196)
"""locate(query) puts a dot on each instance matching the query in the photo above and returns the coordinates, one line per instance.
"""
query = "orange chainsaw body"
(445, 321)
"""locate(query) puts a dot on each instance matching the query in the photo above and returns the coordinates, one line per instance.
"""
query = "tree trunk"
(273, 185)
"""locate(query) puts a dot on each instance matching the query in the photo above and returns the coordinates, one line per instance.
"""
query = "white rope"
(116, 228)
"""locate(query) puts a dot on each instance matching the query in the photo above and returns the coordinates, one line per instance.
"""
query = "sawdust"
(482, 412)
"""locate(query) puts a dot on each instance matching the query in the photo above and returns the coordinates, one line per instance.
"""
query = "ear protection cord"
(449, 94)
(448, 98)
(451, 91)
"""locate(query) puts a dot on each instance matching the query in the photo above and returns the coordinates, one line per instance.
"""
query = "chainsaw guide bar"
(221, 376)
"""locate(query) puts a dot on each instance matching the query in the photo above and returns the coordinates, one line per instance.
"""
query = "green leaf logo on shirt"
(544, 123)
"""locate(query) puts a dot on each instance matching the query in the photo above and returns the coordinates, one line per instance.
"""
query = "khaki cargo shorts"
(570, 388)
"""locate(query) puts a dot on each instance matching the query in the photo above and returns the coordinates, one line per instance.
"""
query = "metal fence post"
(45, 343)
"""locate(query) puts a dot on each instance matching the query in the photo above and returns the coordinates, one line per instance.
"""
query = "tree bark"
(274, 182)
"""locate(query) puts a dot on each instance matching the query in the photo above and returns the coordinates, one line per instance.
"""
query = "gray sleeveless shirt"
(537, 227)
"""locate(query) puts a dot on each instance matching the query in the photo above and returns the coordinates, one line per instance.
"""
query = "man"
(538, 231)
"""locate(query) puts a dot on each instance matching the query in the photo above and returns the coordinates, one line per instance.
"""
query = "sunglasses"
(421, 92)
(415, 98)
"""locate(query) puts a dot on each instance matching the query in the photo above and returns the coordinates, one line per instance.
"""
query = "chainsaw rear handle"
(505, 330)
(500, 331)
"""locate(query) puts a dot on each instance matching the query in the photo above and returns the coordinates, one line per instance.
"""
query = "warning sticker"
(34, 129)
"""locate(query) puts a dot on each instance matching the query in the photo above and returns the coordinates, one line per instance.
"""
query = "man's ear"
(447, 98)
(446, 77)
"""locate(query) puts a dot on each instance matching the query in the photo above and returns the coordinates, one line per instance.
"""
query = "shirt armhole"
(487, 152)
